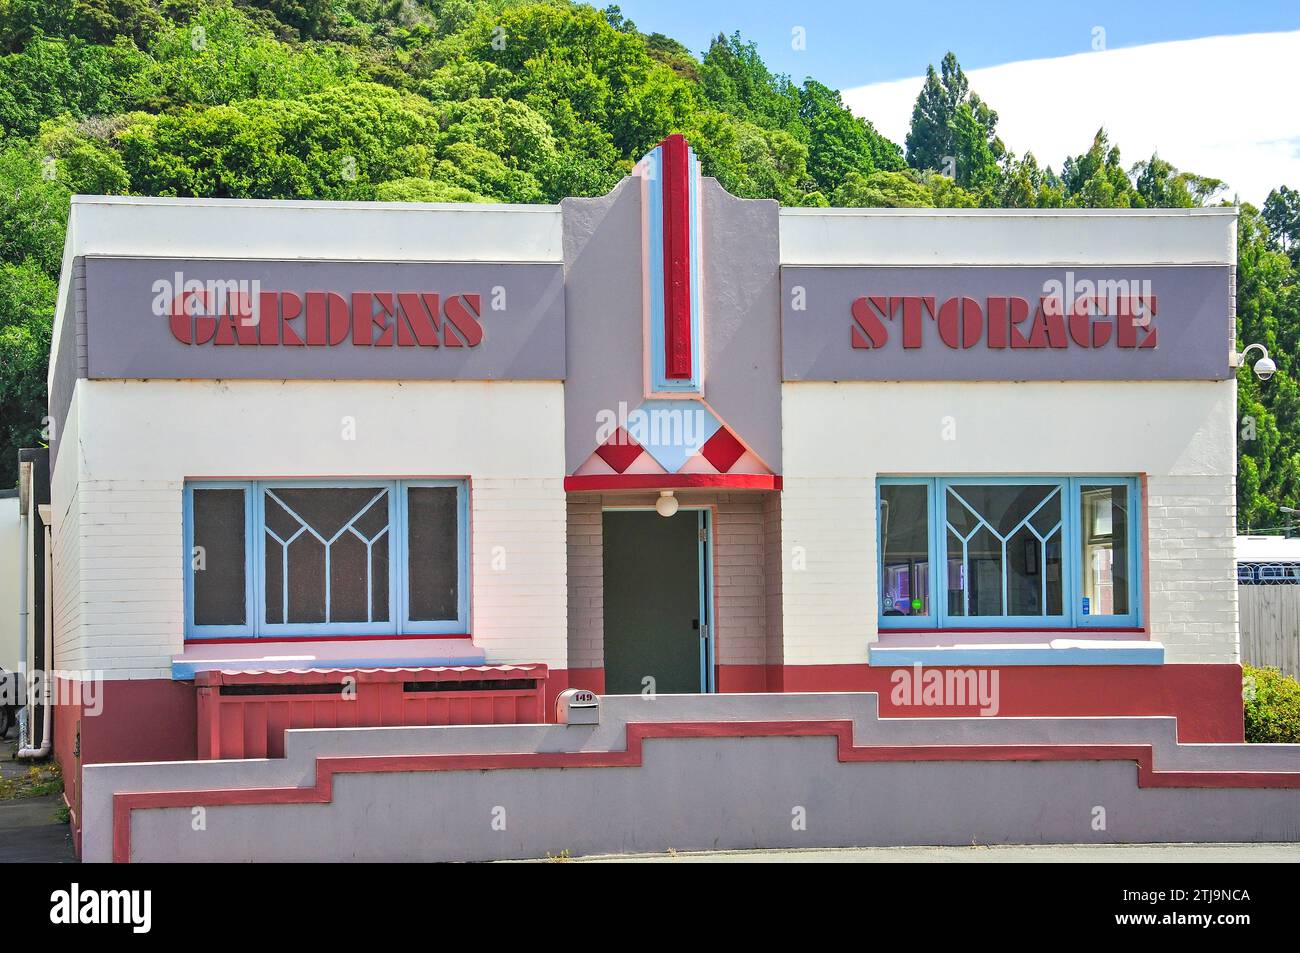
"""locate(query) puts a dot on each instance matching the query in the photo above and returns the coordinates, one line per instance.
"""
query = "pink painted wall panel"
(253, 725)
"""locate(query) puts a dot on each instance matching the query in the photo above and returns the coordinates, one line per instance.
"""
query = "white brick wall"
(519, 608)
(129, 446)
(119, 599)
(739, 597)
(1192, 567)
(839, 437)
(68, 587)
(586, 581)
(828, 532)
(773, 578)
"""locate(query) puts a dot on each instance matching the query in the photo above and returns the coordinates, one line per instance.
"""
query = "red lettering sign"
(1092, 321)
(326, 319)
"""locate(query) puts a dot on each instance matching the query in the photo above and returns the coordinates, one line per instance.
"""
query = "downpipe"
(25, 749)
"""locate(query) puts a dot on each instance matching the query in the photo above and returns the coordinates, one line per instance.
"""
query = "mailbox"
(577, 706)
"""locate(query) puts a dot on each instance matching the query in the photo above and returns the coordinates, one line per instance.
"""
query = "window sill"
(897, 650)
(322, 655)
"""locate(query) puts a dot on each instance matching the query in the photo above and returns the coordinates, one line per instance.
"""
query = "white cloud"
(1222, 106)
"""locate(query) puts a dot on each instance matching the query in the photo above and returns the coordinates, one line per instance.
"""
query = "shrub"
(1272, 704)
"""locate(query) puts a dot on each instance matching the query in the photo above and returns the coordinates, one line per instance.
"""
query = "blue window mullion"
(190, 628)
(932, 569)
(463, 578)
(397, 570)
(1134, 507)
(252, 558)
(938, 554)
(1071, 586)
(463, 575)
(258, 560)
(187, 556)
(398, 622)
(1002, 621)
(1136, 511)
(329, 548)
(1070, 541)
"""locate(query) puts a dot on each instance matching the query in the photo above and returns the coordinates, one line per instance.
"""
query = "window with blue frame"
(994, 552)
(299, 558)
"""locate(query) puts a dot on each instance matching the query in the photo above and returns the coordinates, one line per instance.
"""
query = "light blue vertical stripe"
(655, 258)
(659, 380)
(697, 246)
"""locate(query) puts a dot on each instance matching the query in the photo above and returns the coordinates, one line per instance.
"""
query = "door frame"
(704, 550)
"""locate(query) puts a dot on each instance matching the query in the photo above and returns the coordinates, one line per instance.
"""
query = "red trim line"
(326, 768)
(1007, 630)
(439, 673)
(677, 258)
(265, 640)
(671, 481)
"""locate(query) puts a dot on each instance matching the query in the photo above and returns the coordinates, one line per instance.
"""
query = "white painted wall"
(9, 629)
(838, 437)
(1008, 236)
(145, 227)
(129, 446)
(65, 538)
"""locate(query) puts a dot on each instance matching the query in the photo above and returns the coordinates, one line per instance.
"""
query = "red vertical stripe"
(677, 258)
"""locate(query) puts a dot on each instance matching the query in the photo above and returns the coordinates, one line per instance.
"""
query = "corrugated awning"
(267, 655)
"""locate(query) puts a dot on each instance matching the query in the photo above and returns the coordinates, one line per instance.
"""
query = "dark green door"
(652, 602)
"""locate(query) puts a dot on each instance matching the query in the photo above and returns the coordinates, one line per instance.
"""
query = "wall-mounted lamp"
(667, 504)
(1264, 367)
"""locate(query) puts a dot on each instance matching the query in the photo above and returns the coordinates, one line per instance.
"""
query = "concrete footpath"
(30, 831)
(1051, 854)
(31, 834)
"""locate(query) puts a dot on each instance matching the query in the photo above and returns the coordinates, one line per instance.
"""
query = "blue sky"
(1203, 84)
(856, 43)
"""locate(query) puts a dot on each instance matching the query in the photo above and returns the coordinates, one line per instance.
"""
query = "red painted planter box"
(245, 714)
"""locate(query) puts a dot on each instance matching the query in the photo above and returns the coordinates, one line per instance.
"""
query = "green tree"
(82, 155)
(674, 55)
(1022, 184)
(750, 161)
(1268, 313)
(46, 78)
(598, 87)
(1162, 186)
(953, 131)
(221, 56)
(839, 142)
(33, 209)
(425, 190)
(883, 189)
(734, 79)
(336, 144)
(24, 360)
(1096, 178)
(33, 218)
(27, 294)
(1282, 216)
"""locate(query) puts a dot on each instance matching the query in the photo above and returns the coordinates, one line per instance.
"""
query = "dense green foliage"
(1272, 706)
(515, 101)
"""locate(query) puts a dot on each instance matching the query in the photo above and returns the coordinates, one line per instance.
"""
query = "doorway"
(658, 602)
